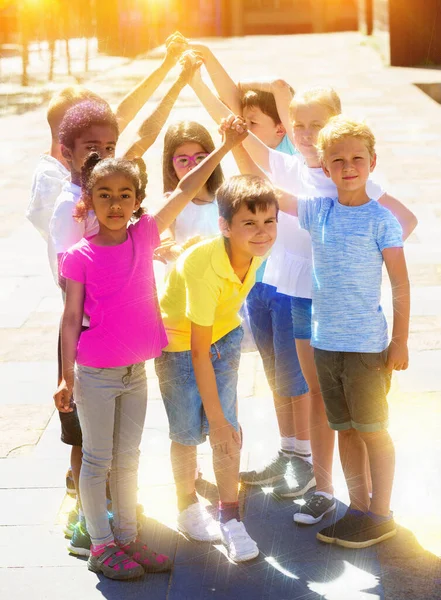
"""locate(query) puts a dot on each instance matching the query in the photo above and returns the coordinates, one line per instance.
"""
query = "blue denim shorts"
(301, 313)
(270, 319)
(186, 416)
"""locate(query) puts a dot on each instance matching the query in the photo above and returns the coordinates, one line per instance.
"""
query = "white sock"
(325, 494)
(288, 444)
(302, 449)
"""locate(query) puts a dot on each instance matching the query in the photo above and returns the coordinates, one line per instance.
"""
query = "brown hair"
(180, 133)
(95, 168)
(263, 100)
(61, 101)
(256, 193)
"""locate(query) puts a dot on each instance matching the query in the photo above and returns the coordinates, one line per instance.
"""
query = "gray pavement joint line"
(42, 430)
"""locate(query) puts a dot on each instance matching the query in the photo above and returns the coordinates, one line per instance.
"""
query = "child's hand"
(168, 251)
(397, 357)
(176, 45)
(176, 37)
(234, 130)
(190, 63)
(63, 397)
(224, 438)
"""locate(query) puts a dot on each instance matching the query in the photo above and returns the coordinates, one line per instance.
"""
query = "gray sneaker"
(270, 473)
(299, 478)
(314, 509)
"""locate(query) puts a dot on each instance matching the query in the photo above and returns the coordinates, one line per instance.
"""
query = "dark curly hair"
(180, 133)
(95, 168)
(81, 117)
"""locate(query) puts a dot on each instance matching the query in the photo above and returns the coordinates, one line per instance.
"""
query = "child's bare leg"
(284, 413)
(183, 459)
(321, 435)
(76, 458)
(300, 416)
(353, 460)
(226, 470)
(381, 453)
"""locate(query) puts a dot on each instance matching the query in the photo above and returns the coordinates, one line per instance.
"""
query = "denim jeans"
(186, 416)
(271, 324)
(111, 407)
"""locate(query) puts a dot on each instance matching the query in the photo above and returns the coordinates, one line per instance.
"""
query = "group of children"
(300, 237)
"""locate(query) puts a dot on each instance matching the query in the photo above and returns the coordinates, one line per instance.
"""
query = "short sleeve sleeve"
(46, 187)
(202, 297)
(284, 170)
(308, 209)
(148, 229)
(64, 230)
(374, 189)
(72, 267)
(389, 233)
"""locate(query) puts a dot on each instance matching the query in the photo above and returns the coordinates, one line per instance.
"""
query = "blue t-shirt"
(347, 245)
(286, 146)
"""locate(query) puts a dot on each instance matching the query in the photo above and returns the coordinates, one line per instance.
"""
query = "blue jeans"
(111, 407)
(301, 313)
(186, 416)
(271, 324)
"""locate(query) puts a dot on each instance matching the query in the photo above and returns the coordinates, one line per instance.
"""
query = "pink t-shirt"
(120, 298)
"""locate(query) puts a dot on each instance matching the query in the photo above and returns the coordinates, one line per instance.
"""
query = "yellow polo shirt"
(203, 288)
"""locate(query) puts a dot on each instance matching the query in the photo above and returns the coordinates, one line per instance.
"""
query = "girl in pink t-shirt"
(109, 277)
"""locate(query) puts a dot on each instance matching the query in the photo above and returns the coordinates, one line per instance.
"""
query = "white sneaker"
(197, 523)
(239, 545)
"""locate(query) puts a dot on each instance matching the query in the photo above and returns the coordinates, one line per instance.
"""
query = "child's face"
(263, 126)
(186, 157)
(114, 201)
(348, 163)
(98, 138)
(308, 119)
(251, 234)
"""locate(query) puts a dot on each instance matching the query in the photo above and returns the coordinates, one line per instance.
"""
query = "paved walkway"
(33, 561)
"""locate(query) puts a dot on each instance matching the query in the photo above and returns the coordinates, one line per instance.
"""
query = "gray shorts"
(354, 386)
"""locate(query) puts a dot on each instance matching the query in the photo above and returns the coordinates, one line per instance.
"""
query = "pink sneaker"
(112, 562)
(148, 559)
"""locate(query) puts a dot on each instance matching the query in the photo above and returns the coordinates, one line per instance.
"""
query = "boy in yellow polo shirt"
(198, 370)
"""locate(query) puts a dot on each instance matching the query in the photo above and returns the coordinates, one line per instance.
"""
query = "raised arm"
(283, 94)
(225, 86)
(138, 96)
(190, 185)
(218, 111)
(398, 355)
(151, 127)
(404, 216)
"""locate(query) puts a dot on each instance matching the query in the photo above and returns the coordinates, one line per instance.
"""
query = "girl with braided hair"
(109, 277)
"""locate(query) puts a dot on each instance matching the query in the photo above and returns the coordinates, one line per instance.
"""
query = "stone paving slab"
(30, 506)
(71, 583)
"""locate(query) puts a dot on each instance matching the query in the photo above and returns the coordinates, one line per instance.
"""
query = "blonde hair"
(324, 96)
(65, 99)
(339, 128)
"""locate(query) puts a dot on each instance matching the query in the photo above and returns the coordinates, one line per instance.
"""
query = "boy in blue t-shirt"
(352, 236)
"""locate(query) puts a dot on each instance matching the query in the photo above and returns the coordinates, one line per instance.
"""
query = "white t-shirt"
(289, 267)
(197, 219)
(65, 231)
(47, 184)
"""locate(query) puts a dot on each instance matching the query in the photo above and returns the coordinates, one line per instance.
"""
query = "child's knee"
(371, 437)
